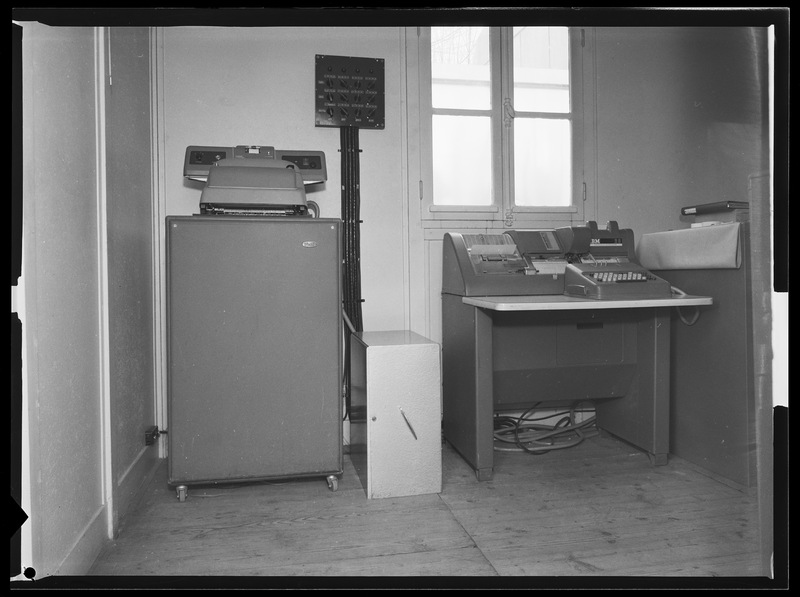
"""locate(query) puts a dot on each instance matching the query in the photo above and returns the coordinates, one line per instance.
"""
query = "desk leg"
(659, 379)
(467, 383)
(642, 416)
(484, 396)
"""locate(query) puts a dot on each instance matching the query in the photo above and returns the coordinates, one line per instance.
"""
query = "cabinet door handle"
(405, 418)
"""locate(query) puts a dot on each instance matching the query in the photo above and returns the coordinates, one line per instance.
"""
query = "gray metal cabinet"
(254, 348)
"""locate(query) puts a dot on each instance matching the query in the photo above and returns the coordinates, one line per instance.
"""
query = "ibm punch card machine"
(551, 317)
(254, 327)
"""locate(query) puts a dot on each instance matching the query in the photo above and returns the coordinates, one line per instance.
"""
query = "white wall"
(679, 122)
(684, 130)
(256, 86)
(86, 295)
(62, 394)
(130, 262)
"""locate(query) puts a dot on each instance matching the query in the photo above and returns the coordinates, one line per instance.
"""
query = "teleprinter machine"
(581, 261)
(253, 179)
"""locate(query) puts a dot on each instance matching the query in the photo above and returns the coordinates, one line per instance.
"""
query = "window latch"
(508, 109)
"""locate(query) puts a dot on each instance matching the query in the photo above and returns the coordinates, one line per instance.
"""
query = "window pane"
(462, 160)
(460, 67)
(541, 69)
(542, 162)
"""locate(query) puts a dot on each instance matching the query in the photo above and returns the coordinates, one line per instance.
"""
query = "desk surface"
(559, 302)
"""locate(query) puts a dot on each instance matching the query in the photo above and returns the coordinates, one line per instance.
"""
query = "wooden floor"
(599, 510)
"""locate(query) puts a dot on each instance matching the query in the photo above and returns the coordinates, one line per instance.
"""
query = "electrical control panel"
(349, 92)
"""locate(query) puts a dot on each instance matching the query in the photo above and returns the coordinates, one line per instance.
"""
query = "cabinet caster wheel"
(182, 492)
(333, 482)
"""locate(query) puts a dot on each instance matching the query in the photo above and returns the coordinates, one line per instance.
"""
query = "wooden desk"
(511, 352)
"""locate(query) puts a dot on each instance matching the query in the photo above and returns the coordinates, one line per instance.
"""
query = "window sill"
(456, 210)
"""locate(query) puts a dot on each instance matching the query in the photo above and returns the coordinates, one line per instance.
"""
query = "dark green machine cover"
(254, 348)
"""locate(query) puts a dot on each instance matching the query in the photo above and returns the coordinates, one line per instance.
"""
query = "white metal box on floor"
(395, 413)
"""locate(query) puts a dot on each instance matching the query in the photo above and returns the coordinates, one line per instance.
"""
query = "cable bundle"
(351, 247)
(525, 434)
(351, 220)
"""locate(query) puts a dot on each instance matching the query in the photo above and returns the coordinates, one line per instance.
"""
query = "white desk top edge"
(560, 302)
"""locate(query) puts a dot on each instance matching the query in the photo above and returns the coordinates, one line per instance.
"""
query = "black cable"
(350, 222)
(686, 320)
(351, 251)
(348, 331)
(525, 435)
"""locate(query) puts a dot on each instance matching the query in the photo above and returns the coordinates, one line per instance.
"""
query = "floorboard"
(598, 510)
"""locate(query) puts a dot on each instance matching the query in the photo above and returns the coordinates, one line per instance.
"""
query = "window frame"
(502, 211)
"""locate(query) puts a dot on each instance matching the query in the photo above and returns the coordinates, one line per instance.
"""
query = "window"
(506, 112)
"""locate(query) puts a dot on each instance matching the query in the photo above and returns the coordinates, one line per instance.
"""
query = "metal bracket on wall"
(151, 435)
